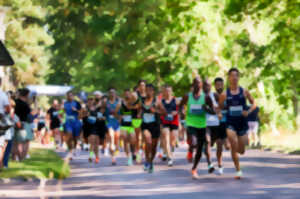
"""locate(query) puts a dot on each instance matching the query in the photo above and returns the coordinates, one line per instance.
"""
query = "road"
(267, 175)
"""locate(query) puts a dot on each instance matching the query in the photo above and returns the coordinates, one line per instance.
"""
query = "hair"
(24, 92)
(69, 92)
(111, 88)
(218, 79)
(127, 90)
(233, 70)
(150, 86)
(142, 80)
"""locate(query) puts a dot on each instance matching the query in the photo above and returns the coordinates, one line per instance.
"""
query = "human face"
(70, 96)
(111, 93)
(127, 95)
(234, 78)
(197, 84)
(219, 86)
(142, 86)
(149, 91)
(206, 86)
(168, 92)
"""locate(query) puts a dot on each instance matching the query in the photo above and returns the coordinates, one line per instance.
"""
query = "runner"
(198, 104)
(221, 136)
(137, 122)
(90, 117)
(170, 122)
(112, 115)
(54, 122)
(41, 127)
(253, 124)
(237, 126)
(150, 111)
(72, 124)
(127, 129)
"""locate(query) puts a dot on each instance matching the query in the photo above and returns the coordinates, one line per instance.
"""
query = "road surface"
(267, 175)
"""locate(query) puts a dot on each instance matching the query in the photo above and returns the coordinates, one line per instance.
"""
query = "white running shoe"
(170, 162)
(238, 175)
(221, 170)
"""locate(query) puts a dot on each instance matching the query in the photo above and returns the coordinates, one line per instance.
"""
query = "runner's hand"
(245, 113)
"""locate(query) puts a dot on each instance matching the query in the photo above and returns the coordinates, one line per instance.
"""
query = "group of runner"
(141, 121)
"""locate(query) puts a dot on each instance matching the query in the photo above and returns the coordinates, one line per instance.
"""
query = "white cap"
(98, 93)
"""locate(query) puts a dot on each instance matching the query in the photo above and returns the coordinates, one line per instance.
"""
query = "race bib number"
(70, 118)
(127, 118)
(196, 109)
(148, 117)
(111, 117)
(92, 119)
(99, 115)
(55, 113)
(169, 117)
(235, 110)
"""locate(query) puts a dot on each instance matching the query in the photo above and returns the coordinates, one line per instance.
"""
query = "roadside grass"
(287, 142)
(42, 164)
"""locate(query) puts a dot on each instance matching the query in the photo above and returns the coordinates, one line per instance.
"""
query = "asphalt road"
(267, 175)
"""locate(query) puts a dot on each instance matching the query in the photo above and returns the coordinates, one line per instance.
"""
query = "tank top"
(170, 107)
(212, 119)
(135, 111)
(126, 115)
(110, 108)
(196, 116)
(236, 104)
(148, 116)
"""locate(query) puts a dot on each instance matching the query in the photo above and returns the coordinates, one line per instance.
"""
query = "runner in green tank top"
(198, 104)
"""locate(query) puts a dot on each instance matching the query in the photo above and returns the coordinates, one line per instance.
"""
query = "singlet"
(196, 116)
(236, 104)
(212, 119)
(170, 107)
(134, 112)
(148, 116)
(109, 109)
(126, 115)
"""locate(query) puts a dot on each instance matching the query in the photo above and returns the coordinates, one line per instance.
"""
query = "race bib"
(92, 119)
(55, 113)
(169, 117)
(148, 117)
(127, 118)
(70, 118)
(42, 121)
(111, 117)
(99, 115)
(235, 110)
(196, 109)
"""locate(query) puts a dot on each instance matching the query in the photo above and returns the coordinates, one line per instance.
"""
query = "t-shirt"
(70, 114)
(54, 115)
(22, 110)
(3, 101)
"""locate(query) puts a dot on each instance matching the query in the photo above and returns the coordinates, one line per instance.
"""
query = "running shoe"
(160, 156)
(195, 175)
(189, 157)
(146, 166)
(97, 160)
(211, 168)
(221, 170)
(238, 175)
(133, 157)
(106, 152)
(129, 162)
(164, 158)
(138, 158)
(151, 168)
(170, 162)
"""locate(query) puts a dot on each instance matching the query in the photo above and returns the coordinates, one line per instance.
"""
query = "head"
(142, 85)
(98, 95)
(150, 90)
(112, 93)
(219, 85)
(197, 84)
(207, 86)
(55, 103)
(24, 93)
(90, 101)
(70, 96)
(127, 94)
(168, 91)
(233, 76)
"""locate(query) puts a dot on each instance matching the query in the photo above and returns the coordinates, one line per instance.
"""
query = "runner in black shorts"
(150, 110)
(53, 117)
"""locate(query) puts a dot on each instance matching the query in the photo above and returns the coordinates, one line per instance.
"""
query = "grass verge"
(43, 163)
(286, 142)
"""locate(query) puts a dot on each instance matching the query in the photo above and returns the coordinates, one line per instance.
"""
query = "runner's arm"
(251, 100)
(208, 106)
